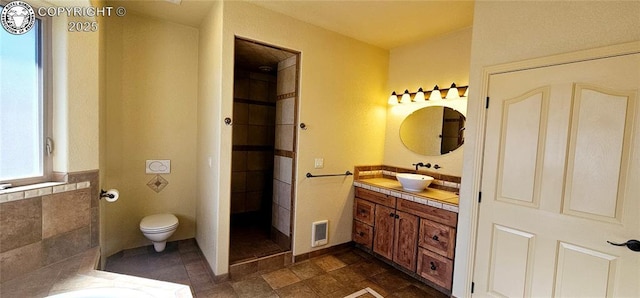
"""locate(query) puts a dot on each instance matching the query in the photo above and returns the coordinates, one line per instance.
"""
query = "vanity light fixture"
(435, 94)
(419, 96)
(452, 93)
(393, 99)
(406, 97)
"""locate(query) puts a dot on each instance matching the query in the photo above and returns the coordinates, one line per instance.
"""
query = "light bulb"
(453, 92)
(406, 97)
(419, 96)
(435, 94)
(393, 99)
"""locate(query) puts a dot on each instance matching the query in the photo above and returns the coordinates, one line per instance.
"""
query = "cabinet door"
(406, 240)
(435, 268)
(362, 234)
(383, 231)
(363, 211)
(437, 237)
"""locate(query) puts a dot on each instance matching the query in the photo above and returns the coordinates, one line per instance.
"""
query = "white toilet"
(158, 228)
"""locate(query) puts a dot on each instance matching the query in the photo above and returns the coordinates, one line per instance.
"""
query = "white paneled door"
(561, 177)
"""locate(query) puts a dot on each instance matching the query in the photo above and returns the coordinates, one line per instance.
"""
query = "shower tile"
(253, 201)
(286, 80)
(259, 160)
(238, 202)
(284, 137)
(240, 113)
(285, 111)
(240, 134)
(285, 169)
(241, 88)
(238, 181)
(259, 90)
(20, 223)
(19, 261)
(256, 180)
(282, 193)
(65, 212)
(291, 61)
(258, 135)
(259, 114)
(239, 161)
(284, 220)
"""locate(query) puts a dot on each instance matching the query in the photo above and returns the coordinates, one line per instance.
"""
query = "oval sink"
(414, 182)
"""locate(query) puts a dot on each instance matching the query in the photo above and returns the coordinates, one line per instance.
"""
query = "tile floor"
(250, 242)
(332, 275)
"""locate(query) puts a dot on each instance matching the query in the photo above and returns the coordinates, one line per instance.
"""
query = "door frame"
(470, 208)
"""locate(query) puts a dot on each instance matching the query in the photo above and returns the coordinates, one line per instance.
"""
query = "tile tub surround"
(78, 272)
(43, 224)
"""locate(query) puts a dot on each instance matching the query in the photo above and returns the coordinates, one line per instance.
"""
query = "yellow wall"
(75, 97)
(208, 154)
(513, 31)
(342, 101)
(438, 61)
(151, 107)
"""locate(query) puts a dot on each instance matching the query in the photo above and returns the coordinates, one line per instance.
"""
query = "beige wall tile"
(285, 111)
(286, 80)
(65, 245)
(20, 261)
(65, 212)
(284, 220)
(284, 137)
(20, 223)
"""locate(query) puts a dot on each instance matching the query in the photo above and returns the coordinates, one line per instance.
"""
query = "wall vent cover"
(319, 233)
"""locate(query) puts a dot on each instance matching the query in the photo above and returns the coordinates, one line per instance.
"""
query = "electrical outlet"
(319, 164)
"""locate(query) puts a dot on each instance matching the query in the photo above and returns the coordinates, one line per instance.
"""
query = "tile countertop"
(78, 273)
(433, 197)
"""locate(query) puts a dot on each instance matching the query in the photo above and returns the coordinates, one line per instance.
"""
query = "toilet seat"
(158, 223)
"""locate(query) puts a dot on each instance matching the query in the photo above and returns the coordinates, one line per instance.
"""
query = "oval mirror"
(433, 130)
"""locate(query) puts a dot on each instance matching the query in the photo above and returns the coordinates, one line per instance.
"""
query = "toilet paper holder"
(110, 195)
(105, 194)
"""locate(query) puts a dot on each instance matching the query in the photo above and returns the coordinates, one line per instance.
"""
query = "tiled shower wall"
(39, 228)
(254, 110)
(285, 149)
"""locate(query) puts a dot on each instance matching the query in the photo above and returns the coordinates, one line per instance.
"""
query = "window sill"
(39, 189)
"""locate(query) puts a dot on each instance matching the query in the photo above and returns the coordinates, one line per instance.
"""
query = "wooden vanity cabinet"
(418, 237)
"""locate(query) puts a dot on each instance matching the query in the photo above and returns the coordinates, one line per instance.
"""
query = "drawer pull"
(391, 214)
(397, 216)
(433, 266)
(361, 234)
(435, 237)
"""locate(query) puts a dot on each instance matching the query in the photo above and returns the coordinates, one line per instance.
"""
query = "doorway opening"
(263, 153)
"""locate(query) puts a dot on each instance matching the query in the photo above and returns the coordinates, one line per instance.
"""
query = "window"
(24, 101)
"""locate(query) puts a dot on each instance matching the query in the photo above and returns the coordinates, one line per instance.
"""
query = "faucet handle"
(428, 165)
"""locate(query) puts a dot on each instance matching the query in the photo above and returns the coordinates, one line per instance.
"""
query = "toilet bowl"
(158, 228)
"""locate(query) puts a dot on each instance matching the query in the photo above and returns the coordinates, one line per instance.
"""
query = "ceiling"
(383, 23)
(251, 56)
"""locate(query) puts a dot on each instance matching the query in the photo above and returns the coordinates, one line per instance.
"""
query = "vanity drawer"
(362, 234)
(363, 211)
(376, 197)
(437, 238)
(432, 213)
(435, 268)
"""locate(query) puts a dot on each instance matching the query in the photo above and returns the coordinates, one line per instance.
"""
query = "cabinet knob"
(397, 216)
(361, 234)
(391, 214)
(435, 237)
(433, 266)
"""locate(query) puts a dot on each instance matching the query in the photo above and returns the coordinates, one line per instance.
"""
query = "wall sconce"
(434, 95)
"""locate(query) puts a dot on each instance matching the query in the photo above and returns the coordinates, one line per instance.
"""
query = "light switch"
(319, 164)
(158, 166)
